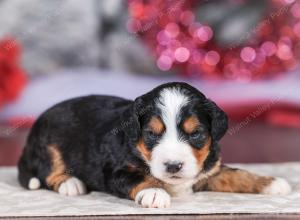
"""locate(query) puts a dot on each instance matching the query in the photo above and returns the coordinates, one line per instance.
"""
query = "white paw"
(278, 186)
(72, 187)
(34, 183)
(153, 198)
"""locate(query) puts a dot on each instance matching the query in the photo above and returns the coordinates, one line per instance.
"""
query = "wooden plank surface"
(170, 217)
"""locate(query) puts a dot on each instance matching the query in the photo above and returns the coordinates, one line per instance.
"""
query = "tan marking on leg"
(156, 125)
(149, 182)
(201, 154)
(239, 181)
(58, 172)
(191, 124)
(142, 148)
(203, 177)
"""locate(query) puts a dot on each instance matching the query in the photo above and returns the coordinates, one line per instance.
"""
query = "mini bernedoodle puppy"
(163, 144)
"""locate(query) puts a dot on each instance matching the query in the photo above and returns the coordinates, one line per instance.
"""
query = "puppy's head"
(177, 130)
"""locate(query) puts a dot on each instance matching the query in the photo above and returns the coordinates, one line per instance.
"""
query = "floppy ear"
(219, 120)
(131, 116)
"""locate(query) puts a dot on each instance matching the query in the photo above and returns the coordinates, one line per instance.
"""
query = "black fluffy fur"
(97, 137)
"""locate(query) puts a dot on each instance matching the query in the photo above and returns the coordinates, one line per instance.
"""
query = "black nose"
(173, 167)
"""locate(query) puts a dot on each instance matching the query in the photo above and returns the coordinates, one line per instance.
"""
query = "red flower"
(12, 77)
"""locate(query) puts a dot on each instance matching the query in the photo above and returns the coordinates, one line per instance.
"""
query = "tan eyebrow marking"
(190, 124)
(156, 125)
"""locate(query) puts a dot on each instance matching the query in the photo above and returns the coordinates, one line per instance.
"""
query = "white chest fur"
(181, 190)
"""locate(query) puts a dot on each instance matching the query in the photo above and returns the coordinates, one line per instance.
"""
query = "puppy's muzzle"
(173, 166)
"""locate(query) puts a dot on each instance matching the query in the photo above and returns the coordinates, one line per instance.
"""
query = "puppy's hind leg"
(241, 181)
(59, 179)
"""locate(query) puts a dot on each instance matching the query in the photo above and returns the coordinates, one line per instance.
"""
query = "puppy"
(163, 144)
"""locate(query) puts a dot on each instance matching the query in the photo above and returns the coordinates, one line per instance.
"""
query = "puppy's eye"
(197, 135)
(153, 135)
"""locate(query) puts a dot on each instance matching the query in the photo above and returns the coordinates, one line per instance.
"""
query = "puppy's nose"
(173, 166)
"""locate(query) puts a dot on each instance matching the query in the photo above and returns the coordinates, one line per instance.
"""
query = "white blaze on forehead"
(170, 103)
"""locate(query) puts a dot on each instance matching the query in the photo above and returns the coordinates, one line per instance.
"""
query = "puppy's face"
(175, 138)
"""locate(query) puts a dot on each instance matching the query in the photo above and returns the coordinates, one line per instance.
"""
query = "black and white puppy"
(163, 144)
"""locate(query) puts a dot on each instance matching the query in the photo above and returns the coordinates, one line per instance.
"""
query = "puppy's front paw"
(72, 187)
(278, 186)
(153, 198)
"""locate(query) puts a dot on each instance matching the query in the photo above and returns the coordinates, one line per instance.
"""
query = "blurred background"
(243, 54)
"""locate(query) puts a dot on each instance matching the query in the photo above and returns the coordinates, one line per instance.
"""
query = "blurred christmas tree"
(232, 39)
